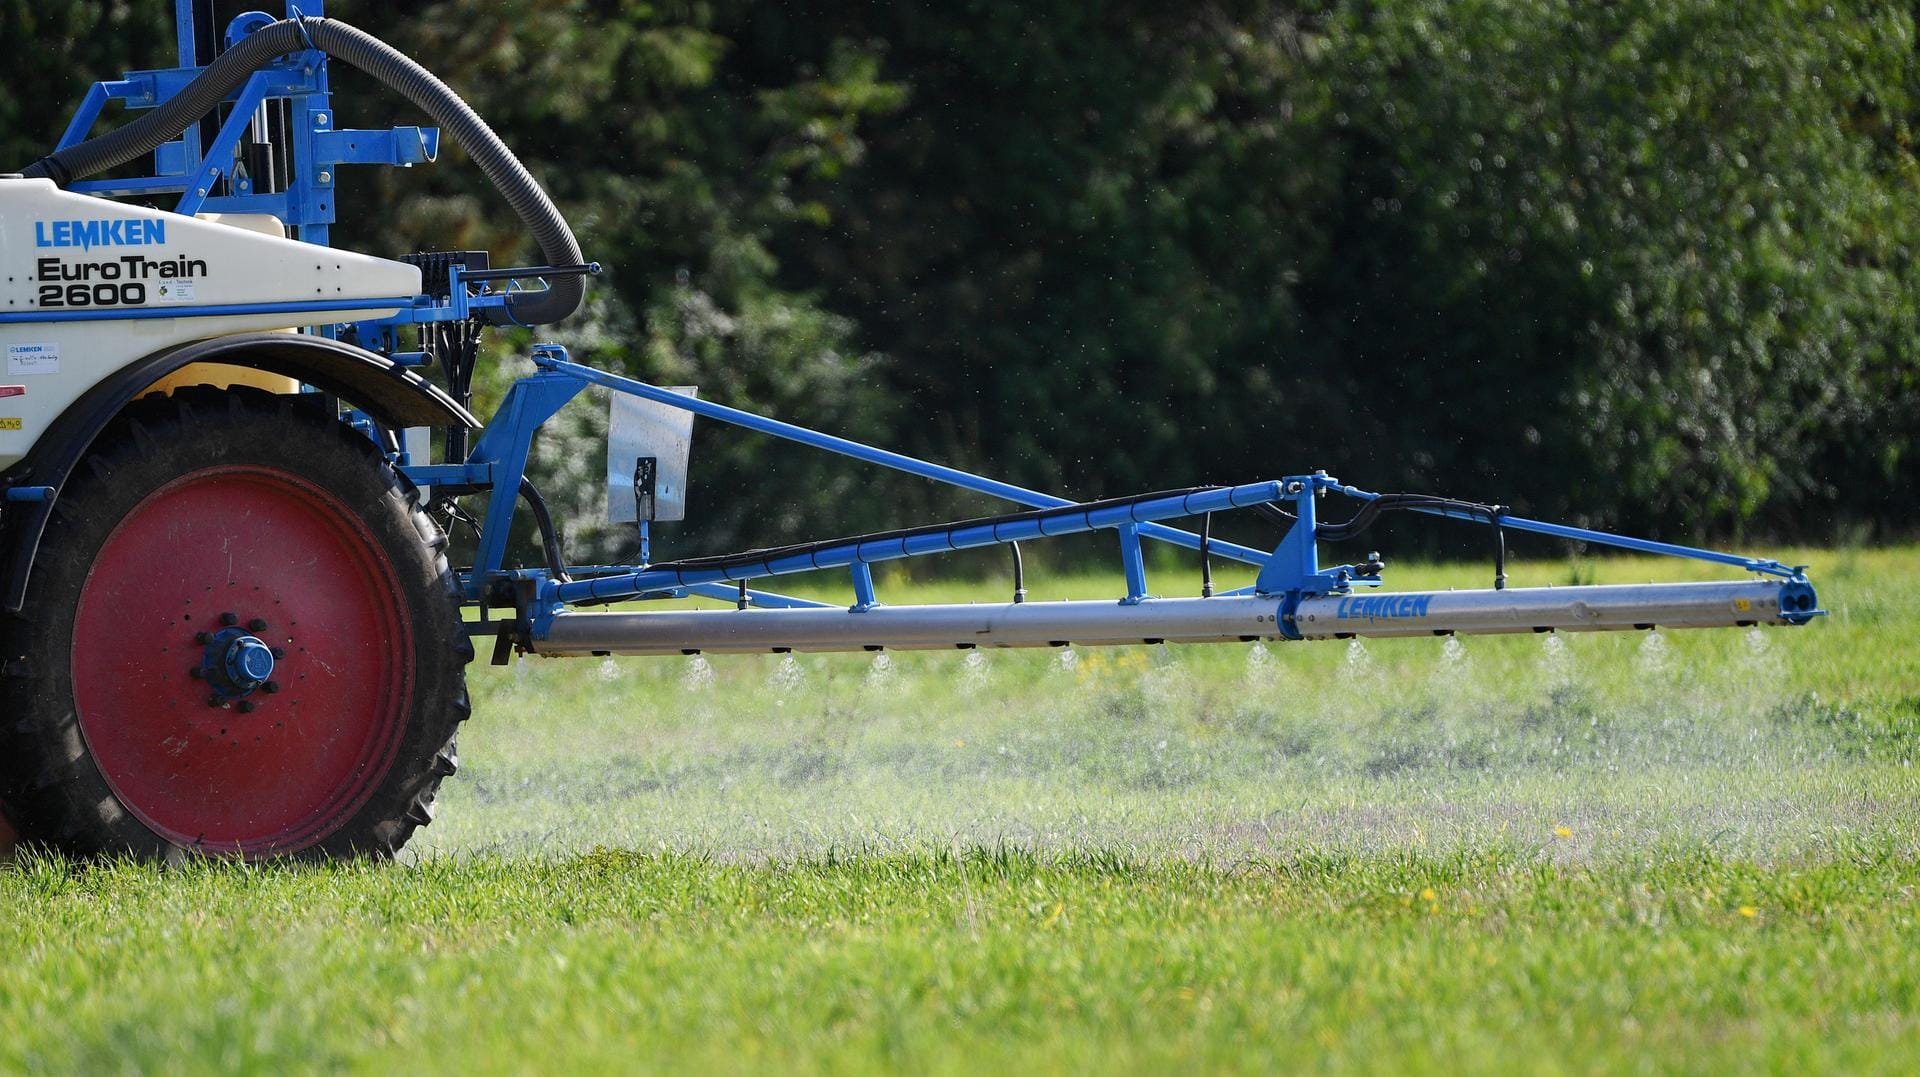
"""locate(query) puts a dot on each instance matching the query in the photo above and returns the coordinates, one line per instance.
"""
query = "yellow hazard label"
(1743, 604)
(11, 424)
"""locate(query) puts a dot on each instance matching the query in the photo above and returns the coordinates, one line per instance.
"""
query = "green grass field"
(1678, 852)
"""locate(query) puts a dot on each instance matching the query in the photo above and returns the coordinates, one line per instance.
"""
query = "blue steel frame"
(1291, 571)
(497, 462)
(306, 204)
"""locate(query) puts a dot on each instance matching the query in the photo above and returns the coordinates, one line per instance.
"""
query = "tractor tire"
(204, 526)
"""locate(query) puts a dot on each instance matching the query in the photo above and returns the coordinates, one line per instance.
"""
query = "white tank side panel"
(73, 356)
(264, 223)
(50, 237)
(62, 252)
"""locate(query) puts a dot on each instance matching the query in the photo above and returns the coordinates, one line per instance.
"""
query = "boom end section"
(1591, 608)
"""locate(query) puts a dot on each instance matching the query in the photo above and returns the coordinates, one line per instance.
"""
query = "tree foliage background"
(1647, 263)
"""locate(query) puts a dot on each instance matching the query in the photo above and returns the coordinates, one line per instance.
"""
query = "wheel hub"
(235, 663)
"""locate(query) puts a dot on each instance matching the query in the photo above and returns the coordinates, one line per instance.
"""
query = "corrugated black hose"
(393, 69)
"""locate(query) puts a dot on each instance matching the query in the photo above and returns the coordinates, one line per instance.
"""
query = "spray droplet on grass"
(1757, 642)
(1654, 657)
(1260, 666)
(699, 674)
(1066, 660)
(786, 676)
(1359, 661)
(609, 670)
(973, 671)
(879, 671)
(1556, 660)
(1450, 669)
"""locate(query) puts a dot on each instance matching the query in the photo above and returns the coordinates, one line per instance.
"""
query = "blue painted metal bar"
(475, 474)
(401, 147)
(1133, 564)
(224, 144)
(763, 599)
(220, 310)
(83, 120)
(863, 594)
(504, 444)
(133, 185)
(973, 536)
(897, 461)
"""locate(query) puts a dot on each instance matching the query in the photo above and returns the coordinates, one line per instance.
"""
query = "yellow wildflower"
(1563, 832)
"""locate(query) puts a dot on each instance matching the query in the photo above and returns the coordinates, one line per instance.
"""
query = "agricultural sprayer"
(230, 455)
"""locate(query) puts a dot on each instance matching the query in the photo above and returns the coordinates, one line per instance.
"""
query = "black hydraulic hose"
(549, 535)
(1370, 512)
(391, 67)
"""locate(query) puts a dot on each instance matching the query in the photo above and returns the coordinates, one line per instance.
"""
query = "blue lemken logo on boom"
(1378, 607)
(101, 232)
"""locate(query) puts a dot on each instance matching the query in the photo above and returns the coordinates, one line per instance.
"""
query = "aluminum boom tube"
(1180, 620)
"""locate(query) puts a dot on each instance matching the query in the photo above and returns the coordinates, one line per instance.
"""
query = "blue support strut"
(1067, 521)
(897, 461)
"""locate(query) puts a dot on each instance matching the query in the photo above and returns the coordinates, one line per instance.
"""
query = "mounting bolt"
(325, 176)
(203, 638)
(229, 619)
(279, 652)
(216, 701)
(196, 673)
(270, 687)
(256, 625)
(245, 706)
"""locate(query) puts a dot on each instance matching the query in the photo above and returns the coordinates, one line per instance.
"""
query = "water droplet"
(1065, 660)
(786, 676)
(1260, 666)
(1451, 667)
(1359, 661)
(1556, 660)
(879, 671)
(1654, 657)
(609, 670)
(699, 674)
(973, 671)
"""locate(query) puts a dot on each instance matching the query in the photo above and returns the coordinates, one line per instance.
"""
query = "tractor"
(230, 455)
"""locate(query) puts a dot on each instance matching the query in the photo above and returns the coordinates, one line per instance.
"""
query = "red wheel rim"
(260, 543)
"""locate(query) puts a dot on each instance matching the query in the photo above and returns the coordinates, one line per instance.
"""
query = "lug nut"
(203, 638)
(278, 652)
(256, 625)
(270, 687)
(229, 619)
(216, 701)
(196, 673)
(245, 706)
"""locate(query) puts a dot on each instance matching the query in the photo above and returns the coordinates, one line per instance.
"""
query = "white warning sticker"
(25, 360)
(174, 291)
